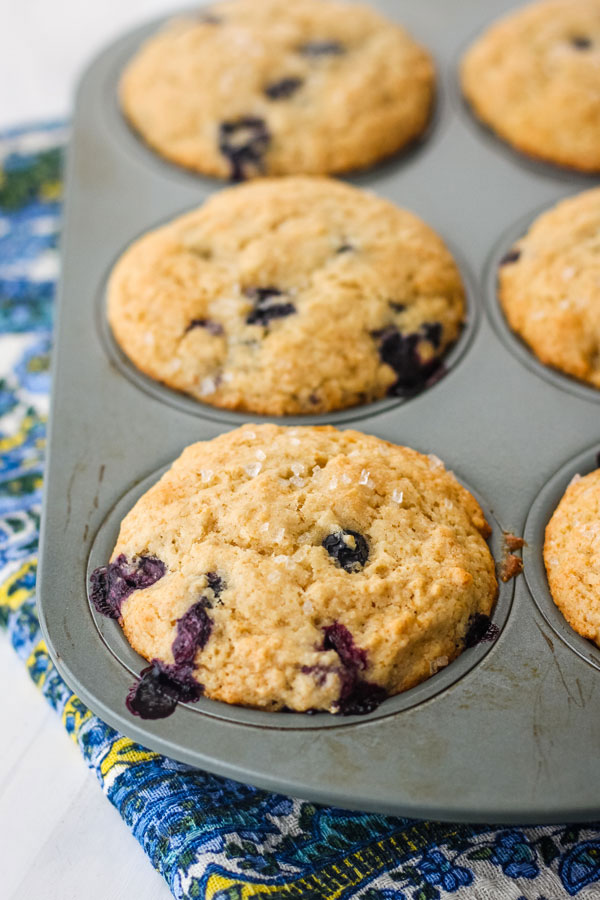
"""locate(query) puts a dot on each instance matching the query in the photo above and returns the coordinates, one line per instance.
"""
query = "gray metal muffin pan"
(507, 733)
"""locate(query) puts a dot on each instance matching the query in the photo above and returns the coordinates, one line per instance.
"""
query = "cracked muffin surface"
(300, 568)
(286, 296)
(255, 87)
(549, 287)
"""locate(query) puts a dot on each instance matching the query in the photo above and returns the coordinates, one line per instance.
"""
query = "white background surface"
(60, 838)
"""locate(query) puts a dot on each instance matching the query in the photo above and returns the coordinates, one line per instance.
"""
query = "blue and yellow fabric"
(210, 837)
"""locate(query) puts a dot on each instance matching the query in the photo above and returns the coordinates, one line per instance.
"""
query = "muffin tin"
(507, 733)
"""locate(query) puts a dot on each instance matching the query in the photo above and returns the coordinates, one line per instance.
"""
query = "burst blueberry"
(357, 696)
(319, 673)
(110, 585)
(267, 306)
(480, 630)
(244, 142)
(432, 332)
(193, 631)
(401, 352)
(363, 698)
(160, 688)
(215, 583)
(339, 638)
(214, 328)
(284, 88)
(349, 549)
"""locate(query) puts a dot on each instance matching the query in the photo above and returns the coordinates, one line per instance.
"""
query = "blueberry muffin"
(549, 287)
(534, 78)
(572, 555)
(286, 296)
(297, 568)
(254, 87)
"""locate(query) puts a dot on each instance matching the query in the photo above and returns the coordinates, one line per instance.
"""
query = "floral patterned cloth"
(210, 837)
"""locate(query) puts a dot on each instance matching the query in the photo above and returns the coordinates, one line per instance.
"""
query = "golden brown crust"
(341, 110)
(572, 555)
(551, 292)
(350, 269)
(254, 506)
(533, 77)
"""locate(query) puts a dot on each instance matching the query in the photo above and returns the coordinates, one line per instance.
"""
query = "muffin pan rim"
(424, 761)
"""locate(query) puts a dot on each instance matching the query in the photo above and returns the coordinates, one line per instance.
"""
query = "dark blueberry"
(215, 583)
(110, 585)
(345, 248)
(281, 90)
(322, 48)
(193, 631)
(318, 672)
(213, 328)
(397, 307)
(401, 352)
(314, 399)
(267, 306)
(349, 558)
(262, 294)
(512, 256)
(338, 638)
(363, 698)
(208, 18)
(357, 697)
(98, 592)
(580, 42)
(159, 689)
(432, 332)
(481, 630)
(154, 696)
(244, 142)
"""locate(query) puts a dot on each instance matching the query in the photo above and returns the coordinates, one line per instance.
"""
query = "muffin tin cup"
(511, 339)
(189, 405)
(500, 735)
(487, 135)
(533, 555)
(114, 639)
(128, 141)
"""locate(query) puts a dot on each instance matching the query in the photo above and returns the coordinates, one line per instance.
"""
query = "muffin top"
(572, 555)
(549, 287)
(253, 87)
(534, 78)
(291, 295)
(305, 568)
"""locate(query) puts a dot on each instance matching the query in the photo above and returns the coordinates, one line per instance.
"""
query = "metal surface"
(510, 731)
